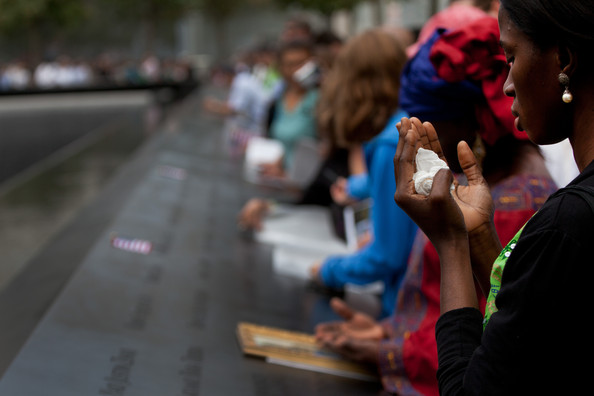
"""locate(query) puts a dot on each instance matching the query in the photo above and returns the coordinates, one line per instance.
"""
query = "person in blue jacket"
(359, 106)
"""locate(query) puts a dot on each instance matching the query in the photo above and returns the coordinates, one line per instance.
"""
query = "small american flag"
(132, 245)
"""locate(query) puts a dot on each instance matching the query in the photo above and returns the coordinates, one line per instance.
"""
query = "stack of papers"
(302, 236)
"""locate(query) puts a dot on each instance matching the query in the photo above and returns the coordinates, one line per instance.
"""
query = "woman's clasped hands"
(446, 215)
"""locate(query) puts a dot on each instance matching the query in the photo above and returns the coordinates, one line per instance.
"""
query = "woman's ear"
(567, 60)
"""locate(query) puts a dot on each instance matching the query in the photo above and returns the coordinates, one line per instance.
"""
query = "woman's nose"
(508, 86)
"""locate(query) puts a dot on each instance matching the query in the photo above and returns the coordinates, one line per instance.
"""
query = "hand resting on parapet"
(357, 337)
(252, 213)
(273, 170)
(339, 193)
(216, 106)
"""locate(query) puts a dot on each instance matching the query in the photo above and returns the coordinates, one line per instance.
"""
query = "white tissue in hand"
(428, 164)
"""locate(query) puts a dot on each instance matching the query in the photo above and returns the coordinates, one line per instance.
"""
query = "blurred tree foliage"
(153, 12)
(149, 13)
(36, 28)
(326, 7)
(17, 14)
(219, 9)
(37, 18)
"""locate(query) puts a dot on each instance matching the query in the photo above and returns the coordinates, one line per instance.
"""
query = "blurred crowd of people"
(65, 72)
(372, 101)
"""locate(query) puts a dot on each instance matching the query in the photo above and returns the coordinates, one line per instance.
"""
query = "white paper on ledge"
(260, 151)
(295, 261)
(302, 226)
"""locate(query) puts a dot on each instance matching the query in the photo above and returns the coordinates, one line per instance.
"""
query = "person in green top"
(294, 110)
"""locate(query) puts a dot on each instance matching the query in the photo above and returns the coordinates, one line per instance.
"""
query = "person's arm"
(390, 365)
(439, 215)
(355, 324)
(458, 334)
(252, 213)
(393, 234)
(218, 107)
(474, 202)
(237, 100)
(357, 186)
(513, 353)
(359, 268)
(348, 191)
(357, 337)
(485, 246)
(357, 160)
(407, 354)
(358, 182)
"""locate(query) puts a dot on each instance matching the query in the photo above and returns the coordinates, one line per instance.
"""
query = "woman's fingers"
(404, 164)
(403, 127)
(433, 140)
(324, 330)
(469, 164)
(420, 128)
(342, 309)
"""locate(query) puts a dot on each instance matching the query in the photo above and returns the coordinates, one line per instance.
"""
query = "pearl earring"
(567, 97)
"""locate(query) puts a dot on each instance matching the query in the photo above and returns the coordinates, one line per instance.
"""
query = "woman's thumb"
(442, 183)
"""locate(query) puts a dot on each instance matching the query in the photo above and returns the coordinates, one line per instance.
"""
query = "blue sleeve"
(393, 233)
(358, 186)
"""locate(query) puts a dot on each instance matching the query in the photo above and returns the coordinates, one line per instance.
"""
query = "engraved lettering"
(140, 313)
(119, 378)
(199, 310)
(191, 371)
(154, 274)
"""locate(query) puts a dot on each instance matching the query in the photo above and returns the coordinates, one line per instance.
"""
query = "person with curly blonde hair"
(359, 108)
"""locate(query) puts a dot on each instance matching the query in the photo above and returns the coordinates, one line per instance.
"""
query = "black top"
(540, 340)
